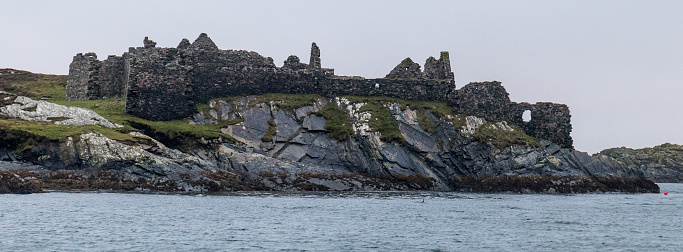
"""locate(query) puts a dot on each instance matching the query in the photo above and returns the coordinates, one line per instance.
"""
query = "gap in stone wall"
(526, 115)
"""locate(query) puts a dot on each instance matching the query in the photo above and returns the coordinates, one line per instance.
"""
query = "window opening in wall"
(526, 116)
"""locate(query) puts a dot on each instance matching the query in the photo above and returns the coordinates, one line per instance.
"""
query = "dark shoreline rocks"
(11, 182)
(553, 185)
(27, 181)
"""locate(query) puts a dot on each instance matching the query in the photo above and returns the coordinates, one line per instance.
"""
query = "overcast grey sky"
(617, 64)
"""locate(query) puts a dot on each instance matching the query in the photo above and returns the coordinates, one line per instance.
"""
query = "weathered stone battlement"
(165, 83)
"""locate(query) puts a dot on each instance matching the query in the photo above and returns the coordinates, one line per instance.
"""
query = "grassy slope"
(503, 138)
(33, 85)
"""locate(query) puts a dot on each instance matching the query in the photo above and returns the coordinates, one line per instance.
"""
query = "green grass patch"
(272, 131)
(53, 131)
(107, 107)
(382, 121)
(337, 122)
(203, 108)
(425, 122)
(283, 101)
(114, 110)
(502, 139)
(35, 86)
(286, 101)
(438, 109)
(458, 120)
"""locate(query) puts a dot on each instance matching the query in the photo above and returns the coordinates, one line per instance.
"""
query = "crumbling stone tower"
(314, 63)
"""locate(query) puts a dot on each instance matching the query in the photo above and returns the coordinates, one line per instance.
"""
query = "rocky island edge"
(197, 118)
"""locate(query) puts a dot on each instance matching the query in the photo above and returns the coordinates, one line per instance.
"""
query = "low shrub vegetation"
(272, 131)
(337, 122)
(502, 139)
(284, 101)
(382, 123)
(381, 119)
(425, 122)
(115, 110)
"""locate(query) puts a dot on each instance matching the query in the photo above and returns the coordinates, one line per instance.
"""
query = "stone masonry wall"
(549, 121)
(490, 101)
(82, 83)
(158, 86)
(91, 79)
(112, 77)
(487, 100)
(165, 84)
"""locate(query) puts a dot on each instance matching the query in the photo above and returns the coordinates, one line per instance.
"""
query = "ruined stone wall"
(490, 101)
(550, 121)
(420, 89)
(487, 100)
(158, 85)
(111, 81)
(91, 79)
(222, 73)
(165, 84)
(83, 81)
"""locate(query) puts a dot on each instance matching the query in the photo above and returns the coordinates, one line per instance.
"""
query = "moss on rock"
(502, 138)
(337, 122)
(272, 131)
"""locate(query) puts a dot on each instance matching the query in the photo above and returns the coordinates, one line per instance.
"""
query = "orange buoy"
(666, 193)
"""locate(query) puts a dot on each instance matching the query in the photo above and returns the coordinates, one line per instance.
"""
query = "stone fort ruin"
(165, 84)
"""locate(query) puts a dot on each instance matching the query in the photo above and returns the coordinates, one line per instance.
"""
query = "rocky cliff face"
(292, 142)
(438, 146)
(662, 163)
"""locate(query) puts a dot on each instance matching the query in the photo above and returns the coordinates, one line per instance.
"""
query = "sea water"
(344, 221)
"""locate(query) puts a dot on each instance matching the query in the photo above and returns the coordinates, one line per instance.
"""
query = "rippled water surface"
(383, 221)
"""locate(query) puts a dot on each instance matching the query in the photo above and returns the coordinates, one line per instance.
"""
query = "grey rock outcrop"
(450, 151)
(42, 111)
(662, 163)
